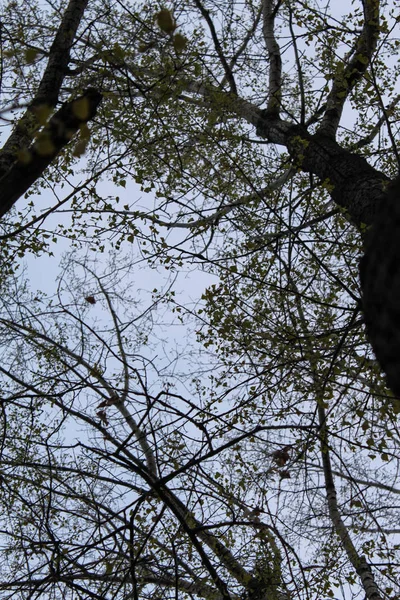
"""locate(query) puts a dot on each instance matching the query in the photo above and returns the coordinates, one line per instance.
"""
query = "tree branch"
(274, 58)
(218, 48)
(50, 84)
(348, 75)
(359, 562)
(55, 135)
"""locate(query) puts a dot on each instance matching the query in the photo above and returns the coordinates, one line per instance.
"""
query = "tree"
(263, 138)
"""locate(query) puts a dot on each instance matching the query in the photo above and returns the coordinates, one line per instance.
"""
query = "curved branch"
(53, 138)
(50, 84)
(384, 118)
(299, 69)
(244, 44)
(218, 48)
(358, 562)
(348, 75)
(274, 58)
(218, 214)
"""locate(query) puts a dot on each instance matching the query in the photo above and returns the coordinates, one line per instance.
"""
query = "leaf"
(165, 21)
(24, 156)
(42, 113)
(179, 42)
(102, 416)
(30, 55)
(84, 131)
(80, 148)
(81, 108)
(118, 51)
(44, 145)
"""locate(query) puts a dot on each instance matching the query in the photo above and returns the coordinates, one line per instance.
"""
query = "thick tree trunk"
(372, 204)
(380, 282)
(357, 187)
(58, 133)
(12, 172)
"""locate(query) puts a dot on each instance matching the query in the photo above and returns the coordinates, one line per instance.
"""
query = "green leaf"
(165, 21)
(179, 42)
(30, 55)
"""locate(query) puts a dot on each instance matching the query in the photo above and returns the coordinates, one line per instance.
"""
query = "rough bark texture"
(370, 200)
(380, 283)
(50, 84)
(57, 133)
(356, 186)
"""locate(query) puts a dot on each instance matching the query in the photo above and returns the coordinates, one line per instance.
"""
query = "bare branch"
(359, 562)
(350, 71)
(274, 58)
(218, 214)
(228, 71)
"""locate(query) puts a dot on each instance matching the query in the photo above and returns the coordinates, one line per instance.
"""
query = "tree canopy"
(251, 145)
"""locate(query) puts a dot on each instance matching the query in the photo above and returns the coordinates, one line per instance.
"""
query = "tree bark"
(58, 132)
